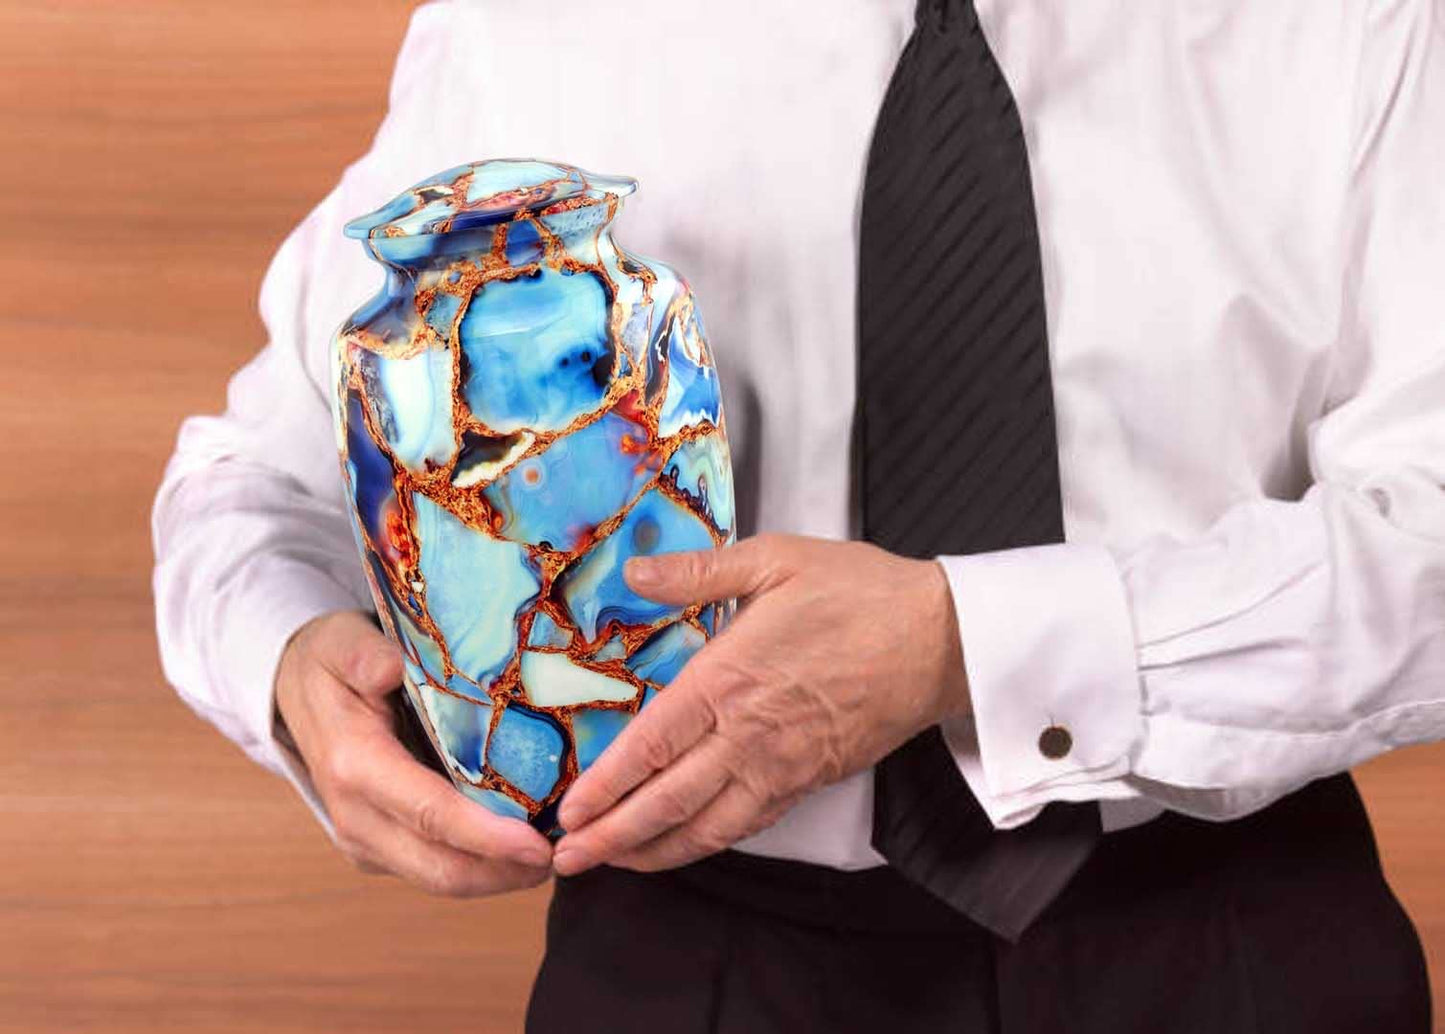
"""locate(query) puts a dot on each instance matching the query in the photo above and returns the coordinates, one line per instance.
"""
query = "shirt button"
(1055, 742)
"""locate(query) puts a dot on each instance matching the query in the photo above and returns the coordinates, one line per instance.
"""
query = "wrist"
(952, 691)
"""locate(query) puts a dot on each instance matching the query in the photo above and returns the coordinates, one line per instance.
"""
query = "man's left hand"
(840, 653)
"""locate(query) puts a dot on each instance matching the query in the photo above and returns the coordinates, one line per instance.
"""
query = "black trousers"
(1280, 923)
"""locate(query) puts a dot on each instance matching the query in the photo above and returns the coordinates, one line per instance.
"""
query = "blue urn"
(521, 408)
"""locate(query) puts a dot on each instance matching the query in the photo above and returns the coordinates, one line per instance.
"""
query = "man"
(1130, 313)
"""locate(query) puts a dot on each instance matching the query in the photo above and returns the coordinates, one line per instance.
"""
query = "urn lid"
(484, 193)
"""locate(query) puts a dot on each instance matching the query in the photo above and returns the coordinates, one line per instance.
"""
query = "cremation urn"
(521, 408)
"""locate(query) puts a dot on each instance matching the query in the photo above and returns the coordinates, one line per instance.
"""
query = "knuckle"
(724, 682)
(653, 748)
(829, 763)
(737, 762)
(357, 663)
(608, 786)
(764, 783)
(704, 838)
(731, 704)
(428, 817)
(606, 843)
(751, 719)
(671, 805)
(697, 567)
(342, 767)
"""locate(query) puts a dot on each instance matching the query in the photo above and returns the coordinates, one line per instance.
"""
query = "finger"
(380, 771)
(731, 816)
(360, 655)
(660, 733)
(376, 840)
(670, 798)
(703, 575)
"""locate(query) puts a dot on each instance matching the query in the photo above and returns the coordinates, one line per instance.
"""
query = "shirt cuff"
(253, 643)
(1048, 645)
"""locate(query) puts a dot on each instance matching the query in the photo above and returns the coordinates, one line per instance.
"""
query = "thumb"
(703, 575)
(359, 654)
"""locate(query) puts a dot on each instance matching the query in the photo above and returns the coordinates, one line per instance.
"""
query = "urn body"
(520, 409)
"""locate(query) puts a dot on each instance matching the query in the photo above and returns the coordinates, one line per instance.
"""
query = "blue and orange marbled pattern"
(521, 408)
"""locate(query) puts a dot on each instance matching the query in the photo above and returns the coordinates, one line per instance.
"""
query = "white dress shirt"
(1242, 218)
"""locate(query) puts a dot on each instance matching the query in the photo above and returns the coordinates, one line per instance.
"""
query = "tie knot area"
(946, 16)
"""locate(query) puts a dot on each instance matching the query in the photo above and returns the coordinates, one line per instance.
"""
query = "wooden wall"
(151, 879)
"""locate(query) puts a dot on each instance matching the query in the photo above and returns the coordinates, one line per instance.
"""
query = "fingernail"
(569, 861)
(571, 817)
(641, 572)
(537, 857)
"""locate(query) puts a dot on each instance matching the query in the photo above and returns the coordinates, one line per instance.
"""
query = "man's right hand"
(391, 814)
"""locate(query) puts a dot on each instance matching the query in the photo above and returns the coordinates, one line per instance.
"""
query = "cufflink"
(1055, 742)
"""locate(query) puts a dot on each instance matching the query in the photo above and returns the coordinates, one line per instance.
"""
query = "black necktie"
(956, 448)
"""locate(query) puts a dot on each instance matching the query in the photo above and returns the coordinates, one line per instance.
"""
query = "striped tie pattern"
(955, 448)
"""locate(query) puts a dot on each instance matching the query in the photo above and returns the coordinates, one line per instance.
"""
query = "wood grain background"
(155, 152)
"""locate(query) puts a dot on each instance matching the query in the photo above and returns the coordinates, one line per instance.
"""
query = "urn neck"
(526, 239)
(479, 208)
